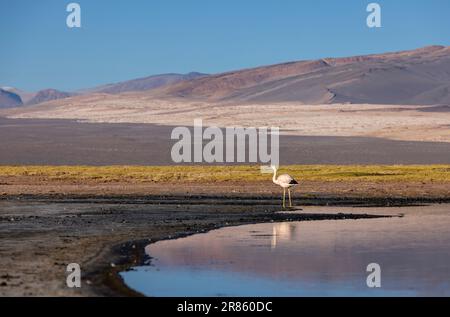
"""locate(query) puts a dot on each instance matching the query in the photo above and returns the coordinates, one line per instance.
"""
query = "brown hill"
(419, 76)
(144, 84)
(48, 95)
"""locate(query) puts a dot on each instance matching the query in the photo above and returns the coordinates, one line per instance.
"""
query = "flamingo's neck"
(275, 176)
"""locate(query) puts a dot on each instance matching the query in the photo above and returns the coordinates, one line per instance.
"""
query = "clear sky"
(126, 39)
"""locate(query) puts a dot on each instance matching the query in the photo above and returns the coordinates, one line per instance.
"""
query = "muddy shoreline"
(133, 253)
(41, 234)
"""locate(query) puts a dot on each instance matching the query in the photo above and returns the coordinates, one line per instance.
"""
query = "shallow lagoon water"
(317, 258)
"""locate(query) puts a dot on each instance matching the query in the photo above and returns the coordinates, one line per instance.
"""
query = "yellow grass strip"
(143, 174)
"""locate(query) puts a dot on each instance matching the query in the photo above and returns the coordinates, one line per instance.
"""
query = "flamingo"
(286, 182)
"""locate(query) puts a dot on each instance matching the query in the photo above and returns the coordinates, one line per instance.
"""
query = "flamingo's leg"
(290, 201)
(284, 197)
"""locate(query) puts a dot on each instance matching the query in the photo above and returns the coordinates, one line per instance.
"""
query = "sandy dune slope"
(418, 77)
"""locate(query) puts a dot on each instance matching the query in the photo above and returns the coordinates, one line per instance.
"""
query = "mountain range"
(415, 77)
(12, 97)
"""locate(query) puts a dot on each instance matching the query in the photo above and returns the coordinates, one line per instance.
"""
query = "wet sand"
(68, 142)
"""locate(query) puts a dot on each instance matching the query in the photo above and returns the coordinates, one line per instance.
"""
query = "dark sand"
(65, 142)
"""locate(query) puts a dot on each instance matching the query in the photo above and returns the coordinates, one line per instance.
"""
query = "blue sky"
(121, 40)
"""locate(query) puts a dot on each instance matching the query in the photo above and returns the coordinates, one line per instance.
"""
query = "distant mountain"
(29, 98)
(419, 76)
(9, 99)
(48, 95)
(24, 95)
(144, 84)
(140, 84)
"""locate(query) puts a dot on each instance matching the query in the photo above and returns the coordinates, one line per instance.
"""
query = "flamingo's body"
(286, 182)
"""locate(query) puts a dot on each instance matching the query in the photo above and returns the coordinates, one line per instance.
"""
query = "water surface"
(319, 258)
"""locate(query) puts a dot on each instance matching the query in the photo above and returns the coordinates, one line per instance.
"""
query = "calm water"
(322, 258)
